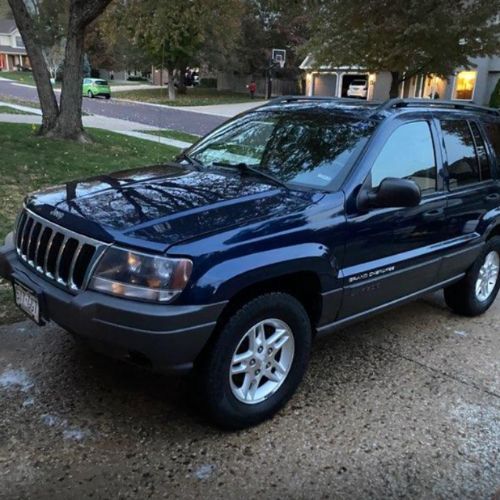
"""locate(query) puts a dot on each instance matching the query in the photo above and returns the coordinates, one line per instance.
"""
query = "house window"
(465, 83)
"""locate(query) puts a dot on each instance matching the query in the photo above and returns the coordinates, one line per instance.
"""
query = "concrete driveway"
(404, 405)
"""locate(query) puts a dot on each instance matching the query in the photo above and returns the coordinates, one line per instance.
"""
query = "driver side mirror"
(391, 193)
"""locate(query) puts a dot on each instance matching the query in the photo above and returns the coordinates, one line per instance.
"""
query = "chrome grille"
(56, 252)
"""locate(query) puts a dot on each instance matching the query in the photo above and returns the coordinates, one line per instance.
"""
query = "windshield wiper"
(244, 168)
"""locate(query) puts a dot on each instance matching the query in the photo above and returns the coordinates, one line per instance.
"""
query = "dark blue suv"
(284, 224)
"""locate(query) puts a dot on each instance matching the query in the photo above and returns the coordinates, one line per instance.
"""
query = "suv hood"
(156, 207)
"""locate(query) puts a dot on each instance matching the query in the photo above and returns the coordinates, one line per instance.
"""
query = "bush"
(495, 97)
(133, 78)
(208, 83)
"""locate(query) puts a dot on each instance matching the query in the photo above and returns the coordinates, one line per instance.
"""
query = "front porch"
(11, 62)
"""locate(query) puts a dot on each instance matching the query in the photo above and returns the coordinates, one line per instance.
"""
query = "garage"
(355, 85)
(325, 84)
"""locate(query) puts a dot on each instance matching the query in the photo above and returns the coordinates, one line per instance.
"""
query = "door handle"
(493, 197)
(433, 214)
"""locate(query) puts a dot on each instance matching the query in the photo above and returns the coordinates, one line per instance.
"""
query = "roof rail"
(294, 98)
(435, 103)
(305, 98)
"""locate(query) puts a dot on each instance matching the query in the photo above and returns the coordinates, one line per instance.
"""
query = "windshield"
(310, 148)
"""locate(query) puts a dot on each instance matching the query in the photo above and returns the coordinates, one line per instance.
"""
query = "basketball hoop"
(279, 57)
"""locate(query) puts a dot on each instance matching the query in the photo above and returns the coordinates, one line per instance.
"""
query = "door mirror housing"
(391, 193)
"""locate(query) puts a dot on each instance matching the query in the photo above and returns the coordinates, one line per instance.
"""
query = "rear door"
(394, 252)
(474, 190)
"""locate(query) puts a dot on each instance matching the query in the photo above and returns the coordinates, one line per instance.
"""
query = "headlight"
(140, 276)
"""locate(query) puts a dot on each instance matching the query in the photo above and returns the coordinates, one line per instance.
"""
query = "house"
(13, 54)
(475, 84)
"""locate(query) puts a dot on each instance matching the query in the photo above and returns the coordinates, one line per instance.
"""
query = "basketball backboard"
(279, 57)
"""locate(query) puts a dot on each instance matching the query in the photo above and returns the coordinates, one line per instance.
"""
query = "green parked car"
(93, 87)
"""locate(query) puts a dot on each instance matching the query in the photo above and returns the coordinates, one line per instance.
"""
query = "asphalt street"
(156, 116)
(406, 405)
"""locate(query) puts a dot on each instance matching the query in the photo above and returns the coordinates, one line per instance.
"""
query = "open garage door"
(355, 86)
(325, 85)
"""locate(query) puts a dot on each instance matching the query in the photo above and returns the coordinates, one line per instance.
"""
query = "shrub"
(133, 78)
(208, 83)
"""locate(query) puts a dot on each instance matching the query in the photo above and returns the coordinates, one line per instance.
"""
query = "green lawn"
(173, 134)
(13, 111)
(21, 76)
(30, 162)
(194, 97)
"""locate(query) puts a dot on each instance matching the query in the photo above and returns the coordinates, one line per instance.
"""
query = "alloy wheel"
(488, 276)
(262, 361)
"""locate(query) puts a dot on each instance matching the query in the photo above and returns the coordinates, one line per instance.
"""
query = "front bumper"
(166, 338)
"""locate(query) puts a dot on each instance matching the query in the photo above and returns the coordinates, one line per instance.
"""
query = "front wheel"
(256, 362)
(476, 292)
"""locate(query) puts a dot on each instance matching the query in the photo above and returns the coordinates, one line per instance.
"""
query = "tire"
(108, 97)
(222, 392)
(90, 94)
(466, 297)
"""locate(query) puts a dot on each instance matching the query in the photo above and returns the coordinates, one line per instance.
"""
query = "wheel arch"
(305, 286)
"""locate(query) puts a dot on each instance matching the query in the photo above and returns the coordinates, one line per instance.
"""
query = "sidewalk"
(116, 125)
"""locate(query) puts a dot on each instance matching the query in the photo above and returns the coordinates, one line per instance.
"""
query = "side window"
(493, 133)
(482, 154)
(408, 154)
(463, 166)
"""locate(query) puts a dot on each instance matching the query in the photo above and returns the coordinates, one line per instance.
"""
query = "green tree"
(110, 45)
(61, 119)
(268, 24)
(405, 37)
(177, 33)
(495, 96)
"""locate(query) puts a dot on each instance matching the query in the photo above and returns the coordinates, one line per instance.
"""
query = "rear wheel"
(477, 291)
(256, 362)
(90, 94)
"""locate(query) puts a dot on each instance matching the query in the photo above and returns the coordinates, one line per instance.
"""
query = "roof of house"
(7, 49)
(7, 26)
(309, 63)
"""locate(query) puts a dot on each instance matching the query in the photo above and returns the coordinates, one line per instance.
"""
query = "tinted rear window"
(463, 167)
(101, 82)
(493, 133)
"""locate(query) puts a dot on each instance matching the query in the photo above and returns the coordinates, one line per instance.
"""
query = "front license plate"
(27, 301)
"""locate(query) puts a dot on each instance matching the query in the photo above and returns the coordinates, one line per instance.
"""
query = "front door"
(394, 252)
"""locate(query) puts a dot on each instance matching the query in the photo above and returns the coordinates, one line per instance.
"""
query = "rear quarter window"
(493, 133)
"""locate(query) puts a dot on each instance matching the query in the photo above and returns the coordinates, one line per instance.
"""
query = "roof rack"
(438, 103)
(304, 98)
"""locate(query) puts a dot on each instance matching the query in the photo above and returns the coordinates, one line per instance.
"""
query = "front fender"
(226, 279)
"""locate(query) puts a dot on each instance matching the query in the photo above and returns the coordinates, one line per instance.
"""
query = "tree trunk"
(171, 84)
(69, 122)
(64, 121)
(394, 91)
(41, 75)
